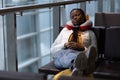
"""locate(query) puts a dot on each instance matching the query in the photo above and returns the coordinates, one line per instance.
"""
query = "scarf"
(85, 26)
(76, 35)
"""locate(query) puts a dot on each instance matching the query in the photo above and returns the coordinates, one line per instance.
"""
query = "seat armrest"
(49, 69)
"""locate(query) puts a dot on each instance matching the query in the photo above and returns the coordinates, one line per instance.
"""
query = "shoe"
(80, 65)
(91, 60)
(84, 65)
(76, 72)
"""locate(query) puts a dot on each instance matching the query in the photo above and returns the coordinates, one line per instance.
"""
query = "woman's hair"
(82, 12)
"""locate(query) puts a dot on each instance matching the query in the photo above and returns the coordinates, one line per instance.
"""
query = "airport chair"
(109, 68)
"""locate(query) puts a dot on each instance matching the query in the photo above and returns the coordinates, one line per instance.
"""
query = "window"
(34, 33)
(34, 36)
(117, 5)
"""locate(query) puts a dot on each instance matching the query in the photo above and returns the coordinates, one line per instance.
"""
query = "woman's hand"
(74, 45)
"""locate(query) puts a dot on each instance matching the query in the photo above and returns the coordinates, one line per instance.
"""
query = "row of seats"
(109, 42)
(107, 30)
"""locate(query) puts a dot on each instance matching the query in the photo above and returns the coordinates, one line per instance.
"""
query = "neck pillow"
(85, 26)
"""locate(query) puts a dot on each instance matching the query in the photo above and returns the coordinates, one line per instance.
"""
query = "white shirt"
(88, 39)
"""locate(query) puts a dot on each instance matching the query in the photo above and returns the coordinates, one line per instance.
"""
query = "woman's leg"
(93, 55)
(80, 64)
(84, 64)
(64, 58)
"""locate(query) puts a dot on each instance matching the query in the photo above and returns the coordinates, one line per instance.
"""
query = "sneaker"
(84, 65)
(77, 72)
(91, 60)
(80, 64)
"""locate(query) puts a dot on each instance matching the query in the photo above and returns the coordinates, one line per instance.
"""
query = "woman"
(75, 44)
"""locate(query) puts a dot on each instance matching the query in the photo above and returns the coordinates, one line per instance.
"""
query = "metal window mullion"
(27, 35)
(83, 6)
(10, 42)
(3, 3)
(33, 34)
(31, 61)
(50, 14)
(63, 15)
(56, 21)
(100, 5)
(112, 5)
(37, 27)
(30, 13)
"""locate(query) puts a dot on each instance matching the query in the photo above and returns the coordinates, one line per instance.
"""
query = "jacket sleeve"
(58, 43)
(93, 42)
(93, 39)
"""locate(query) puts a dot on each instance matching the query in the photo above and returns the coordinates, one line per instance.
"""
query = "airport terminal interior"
(28, 28)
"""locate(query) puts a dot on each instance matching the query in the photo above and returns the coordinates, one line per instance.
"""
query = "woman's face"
(77, 17)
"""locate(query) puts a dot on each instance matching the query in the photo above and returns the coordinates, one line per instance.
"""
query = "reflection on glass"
(44, 60)
(26, 24)
(26, 49)
(117, 5)
(30, 68)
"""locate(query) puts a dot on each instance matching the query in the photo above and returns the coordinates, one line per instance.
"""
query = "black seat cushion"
(108, 70)
(112, 43)
(49, 68)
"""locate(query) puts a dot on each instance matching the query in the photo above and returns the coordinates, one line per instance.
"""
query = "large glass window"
(117, 5)
(33, 37)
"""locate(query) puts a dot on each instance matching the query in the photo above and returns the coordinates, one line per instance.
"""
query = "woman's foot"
(80, 64)
(84, 65)
(91, 60)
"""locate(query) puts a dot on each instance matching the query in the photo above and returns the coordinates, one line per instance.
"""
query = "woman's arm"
(61, 39)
